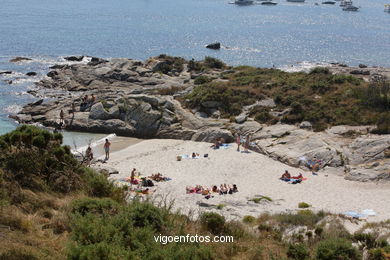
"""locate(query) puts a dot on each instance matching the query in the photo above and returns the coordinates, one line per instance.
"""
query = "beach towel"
(353, 214)
(369, 212)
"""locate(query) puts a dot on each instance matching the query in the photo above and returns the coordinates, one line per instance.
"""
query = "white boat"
(243, 2)
(346, 3)
(268, 3)
(387, 8)
(351, 8)
(296, 1)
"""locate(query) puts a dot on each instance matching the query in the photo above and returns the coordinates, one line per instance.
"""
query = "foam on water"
(91, 142)
(13, 109)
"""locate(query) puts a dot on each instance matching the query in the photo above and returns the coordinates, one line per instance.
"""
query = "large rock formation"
(141, 99)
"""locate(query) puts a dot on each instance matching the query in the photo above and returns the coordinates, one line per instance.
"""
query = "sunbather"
(286, 176)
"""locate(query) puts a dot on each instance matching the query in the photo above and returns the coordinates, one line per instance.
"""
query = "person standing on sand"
(238, 142)
(107, 149)
(132, 176)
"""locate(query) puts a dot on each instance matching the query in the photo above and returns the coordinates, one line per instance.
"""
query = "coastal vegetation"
(53, 207)
(320, 97)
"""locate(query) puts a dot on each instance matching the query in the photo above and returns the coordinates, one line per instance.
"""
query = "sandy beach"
(255, 175)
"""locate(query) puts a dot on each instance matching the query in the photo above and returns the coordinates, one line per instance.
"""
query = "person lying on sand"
(216, 144)
(215, 188)
(194, 155)
(286, 176)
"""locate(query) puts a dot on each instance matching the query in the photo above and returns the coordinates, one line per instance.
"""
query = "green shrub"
(336, 248)
(211, 62)
(319, 70)
(202, 80)
(213, 222)
(249, 219)
(301, 218)
(18, 254)
(320, 87)
(366, 238)
(298, 251)
(383, 124)
(376, 254)
(146, 215)
(341, 79)
(97, 185)
(94, 206)
(39, 141)
(303, 205)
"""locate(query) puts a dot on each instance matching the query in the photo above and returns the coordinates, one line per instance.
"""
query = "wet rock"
(362, 66)
(74, 58)
(5, 72)
(214, 46)
(96, 61)
(31, 74)
(19, 59)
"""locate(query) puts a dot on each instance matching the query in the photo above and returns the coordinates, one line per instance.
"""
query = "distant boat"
(243, 2)
(346, 3)
(296, 1)
(328, 3)
(387, 8)
(268, 3)
(351, 8)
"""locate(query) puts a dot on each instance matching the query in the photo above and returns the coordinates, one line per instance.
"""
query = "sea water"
(256, 35)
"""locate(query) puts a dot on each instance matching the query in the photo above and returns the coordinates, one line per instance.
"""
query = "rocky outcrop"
(359, 156)
(214, 46)
(128, 101)
(19, 59)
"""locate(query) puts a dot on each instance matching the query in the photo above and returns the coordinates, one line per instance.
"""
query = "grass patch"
(303, 205)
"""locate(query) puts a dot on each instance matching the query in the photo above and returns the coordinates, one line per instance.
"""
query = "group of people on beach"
(89, 153)
(207, 192)
(86, 102)
(286, 176)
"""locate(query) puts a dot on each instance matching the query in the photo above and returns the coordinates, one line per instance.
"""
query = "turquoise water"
(255, 35)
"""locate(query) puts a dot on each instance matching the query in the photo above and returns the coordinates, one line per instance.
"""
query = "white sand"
(253, 173)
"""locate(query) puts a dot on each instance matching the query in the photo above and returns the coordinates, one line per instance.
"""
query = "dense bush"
(211, 62)
(383, 124)
(169, 64)
(97, 185)
(303, 205)
(298, 252)
(202, 80)
(317, 70)
(213, 222)
(301, 218)
(336, 248)
(34, 158)
(146, 215)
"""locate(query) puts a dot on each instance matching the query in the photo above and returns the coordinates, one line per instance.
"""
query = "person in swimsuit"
(107, 145)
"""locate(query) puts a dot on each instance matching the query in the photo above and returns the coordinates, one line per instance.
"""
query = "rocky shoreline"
(140, 99)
